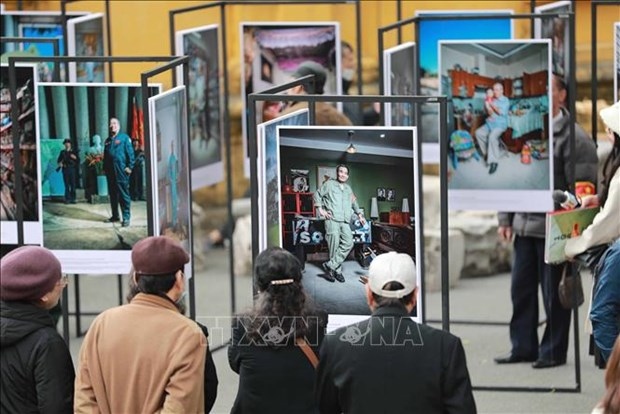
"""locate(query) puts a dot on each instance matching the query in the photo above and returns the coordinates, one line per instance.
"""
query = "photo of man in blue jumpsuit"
(336, 203)
(118, 160)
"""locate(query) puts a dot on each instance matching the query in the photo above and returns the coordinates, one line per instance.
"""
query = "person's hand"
(73, 156)
(504, 233)
(325, 213)
(589, 201)
(128, 170)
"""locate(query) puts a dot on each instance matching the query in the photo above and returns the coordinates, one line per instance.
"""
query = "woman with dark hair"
(274, 346)
(605, 229)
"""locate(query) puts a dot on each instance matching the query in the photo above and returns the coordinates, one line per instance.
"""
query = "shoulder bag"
(570, 289)
(305, 348)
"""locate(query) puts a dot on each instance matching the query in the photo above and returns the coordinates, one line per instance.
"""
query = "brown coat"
(144, 357)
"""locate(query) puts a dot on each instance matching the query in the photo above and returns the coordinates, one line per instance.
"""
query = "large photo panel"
(272, 51)
(93, 184)
(42, 24)
(85, 37)
(269, 209)
(27, 121)
(171, 200)
(499, 124)
(433, 31)
(383, 158)
(556, 29)
(201, 44)
(399, 79)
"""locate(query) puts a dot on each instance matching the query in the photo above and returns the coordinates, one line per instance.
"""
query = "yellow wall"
(140, 27)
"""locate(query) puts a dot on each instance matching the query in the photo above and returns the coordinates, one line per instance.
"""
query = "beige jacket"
(606, 225)
(144, 357)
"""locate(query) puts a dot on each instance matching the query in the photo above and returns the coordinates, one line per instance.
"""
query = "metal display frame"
(273, 94)
(226, 113)
(594, 5)
(445, 288)
(173, 62)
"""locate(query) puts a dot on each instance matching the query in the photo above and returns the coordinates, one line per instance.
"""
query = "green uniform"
(338, 199)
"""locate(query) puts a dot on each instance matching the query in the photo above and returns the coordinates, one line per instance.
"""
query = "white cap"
(611, 117)
(392, 267)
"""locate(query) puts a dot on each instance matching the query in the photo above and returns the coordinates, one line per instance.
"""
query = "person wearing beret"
(145, 356)
(36, 370)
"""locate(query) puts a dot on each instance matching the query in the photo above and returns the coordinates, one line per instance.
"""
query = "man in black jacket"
(529, 268)
(389, 363)
(68, 161)
(36, 371)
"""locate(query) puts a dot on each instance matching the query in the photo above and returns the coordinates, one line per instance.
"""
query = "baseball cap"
(392, 267)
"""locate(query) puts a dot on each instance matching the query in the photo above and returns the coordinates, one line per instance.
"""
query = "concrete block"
(432, 258)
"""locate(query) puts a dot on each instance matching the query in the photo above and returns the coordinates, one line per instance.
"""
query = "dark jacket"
(37, 373)
(211, 381)
(390, 364)
(273, 378)
(586, 169)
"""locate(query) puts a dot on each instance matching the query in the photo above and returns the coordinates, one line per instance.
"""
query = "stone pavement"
(481, 299)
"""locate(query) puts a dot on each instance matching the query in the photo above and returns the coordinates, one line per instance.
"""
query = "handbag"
(308, 352)
(570, 289)
(591, 257)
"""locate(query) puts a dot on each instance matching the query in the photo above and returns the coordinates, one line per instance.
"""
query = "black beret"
(158, 255)
(28, 273)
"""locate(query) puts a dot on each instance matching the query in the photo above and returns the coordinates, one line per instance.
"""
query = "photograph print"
(272, 51)
(498, 124)
(85, 38)
(168, 127)
(332, 279)
(433, 31)
(201, 44)
(556, 29)
(46, 24)
(26, 96)
(93, 181)
(269, 209)
(399, 79)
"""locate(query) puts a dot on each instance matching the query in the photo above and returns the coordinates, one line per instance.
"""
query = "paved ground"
(482, 299)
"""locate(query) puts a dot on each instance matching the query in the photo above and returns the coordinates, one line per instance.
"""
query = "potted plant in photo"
(94, 161)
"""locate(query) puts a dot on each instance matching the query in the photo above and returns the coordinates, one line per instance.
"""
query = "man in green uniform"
(336, 202)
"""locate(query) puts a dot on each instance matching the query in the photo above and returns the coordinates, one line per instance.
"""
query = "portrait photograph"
(267, 174)
(201, 44)
(556, 29)
(85, 38)
(433, 31)
(499, 124)
(399, 79)
(78, 123)
(27, 97)
(168, 127)
(45, 24)
(272, 51)
(304, 229)
(381, 194)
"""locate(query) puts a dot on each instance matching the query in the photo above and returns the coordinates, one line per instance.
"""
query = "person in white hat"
(605, 228)
(389, 363)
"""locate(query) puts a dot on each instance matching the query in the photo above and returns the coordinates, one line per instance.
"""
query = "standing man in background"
(118, 160)
(68, 161)
(529, 268)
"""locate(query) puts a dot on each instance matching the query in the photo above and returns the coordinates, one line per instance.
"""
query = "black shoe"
(493, 167)
(339, 277)
(513, 359)
(125, 224)
(547, 363)
(112, 220)
(330, 275)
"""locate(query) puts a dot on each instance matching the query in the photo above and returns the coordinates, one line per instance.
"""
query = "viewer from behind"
(389, 363)
(273, 345)
(145, 357)
(35, 364)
